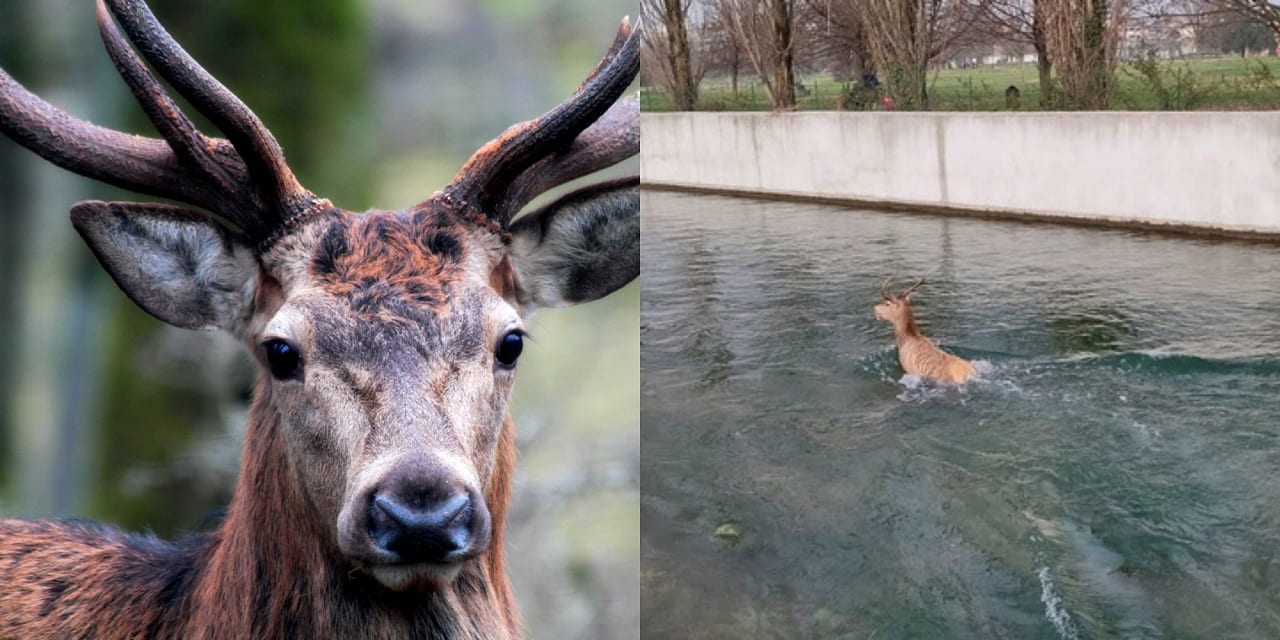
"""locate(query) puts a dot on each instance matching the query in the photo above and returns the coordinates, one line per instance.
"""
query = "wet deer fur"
(378, 460)
(917, 354)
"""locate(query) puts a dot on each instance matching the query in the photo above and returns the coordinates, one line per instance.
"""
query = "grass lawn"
(1227, 83)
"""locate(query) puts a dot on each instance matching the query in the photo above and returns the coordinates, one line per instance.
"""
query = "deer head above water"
(377, 465)
(916, 353)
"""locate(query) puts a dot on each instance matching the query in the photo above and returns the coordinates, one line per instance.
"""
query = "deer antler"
(888, 295)
(244, 180)
(906, 292)
(562, 144)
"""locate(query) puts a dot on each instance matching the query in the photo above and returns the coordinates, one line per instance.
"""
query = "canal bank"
(1199, 172)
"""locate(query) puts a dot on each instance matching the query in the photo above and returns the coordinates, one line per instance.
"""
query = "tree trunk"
(684, 93)
(735, 63)
(864, 63)
(918, 29)
(1098, 81)
(784, 95)
(1083, 36)
(1044, 64)
(1045, 67)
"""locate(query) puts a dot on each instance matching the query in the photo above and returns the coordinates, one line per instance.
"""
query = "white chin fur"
(403, 577)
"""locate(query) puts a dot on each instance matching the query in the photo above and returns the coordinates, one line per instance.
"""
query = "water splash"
(1147, 434)
(990, 378)
(1054, 610)
(1000, 379)
(918, 389)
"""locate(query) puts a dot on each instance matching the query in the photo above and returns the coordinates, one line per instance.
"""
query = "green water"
(1113, 473)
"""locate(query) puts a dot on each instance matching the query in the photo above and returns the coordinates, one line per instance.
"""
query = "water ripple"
(1125, 397)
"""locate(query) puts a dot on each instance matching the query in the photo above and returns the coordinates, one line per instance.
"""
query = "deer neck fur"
(905, 328)
(269, 571)
(272, 569)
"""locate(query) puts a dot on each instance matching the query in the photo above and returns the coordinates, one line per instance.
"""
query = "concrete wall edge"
(1244, 233)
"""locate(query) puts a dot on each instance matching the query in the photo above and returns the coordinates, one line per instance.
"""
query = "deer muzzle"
(417, 523)
(424, 525)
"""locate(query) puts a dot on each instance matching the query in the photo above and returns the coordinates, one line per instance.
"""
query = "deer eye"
(509, 348)
(283, 358)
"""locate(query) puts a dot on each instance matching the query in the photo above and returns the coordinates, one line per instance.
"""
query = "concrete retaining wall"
(1201, 170)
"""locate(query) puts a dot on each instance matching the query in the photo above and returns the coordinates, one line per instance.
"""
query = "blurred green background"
(108, 414)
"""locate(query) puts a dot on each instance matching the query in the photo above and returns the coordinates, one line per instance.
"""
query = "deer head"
(896, 307)
(388, 340)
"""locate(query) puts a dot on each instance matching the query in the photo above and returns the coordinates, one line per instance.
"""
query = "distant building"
(1164, 38)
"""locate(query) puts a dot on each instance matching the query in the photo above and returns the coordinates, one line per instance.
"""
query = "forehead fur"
(392, 263)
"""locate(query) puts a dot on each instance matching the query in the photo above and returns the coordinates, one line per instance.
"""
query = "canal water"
(1115, 472)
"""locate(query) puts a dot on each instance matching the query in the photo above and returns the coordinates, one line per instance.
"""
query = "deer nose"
(426, 526)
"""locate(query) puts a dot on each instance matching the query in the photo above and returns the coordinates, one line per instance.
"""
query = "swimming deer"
(377, 465)
(916, 353)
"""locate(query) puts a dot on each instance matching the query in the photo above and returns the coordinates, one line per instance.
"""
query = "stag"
(378, 459)
(917, 354)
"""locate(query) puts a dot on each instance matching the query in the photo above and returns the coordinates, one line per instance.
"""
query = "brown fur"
(503, 279)
(409, 377)
(384, 341)
(412, 256)
(267, 572)
(273, 569)
(498, 496)
(916, 353)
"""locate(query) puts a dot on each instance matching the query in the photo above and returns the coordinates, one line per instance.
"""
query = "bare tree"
(839, 37)
(1083, 37)
(1264, 11)
(1222, 25)
(668, 59)
(763, 32)
(1021, 22)
(1235, 32)
(905, 36)
(719, 51)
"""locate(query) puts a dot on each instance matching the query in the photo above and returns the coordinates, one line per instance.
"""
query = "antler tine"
(485, 179)
(906, 292)
(261, 153)
(126, 161)
(884, 288)
(173, 126)
(220, 175)
(612, 139)
(625, 30)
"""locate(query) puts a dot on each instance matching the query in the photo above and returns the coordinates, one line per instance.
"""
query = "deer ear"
(178, 265)
(581, 247)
